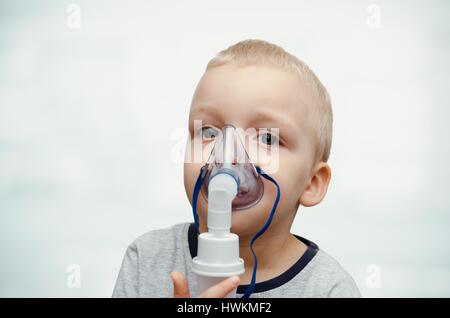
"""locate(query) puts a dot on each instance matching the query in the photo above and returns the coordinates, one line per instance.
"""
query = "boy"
(252, 84)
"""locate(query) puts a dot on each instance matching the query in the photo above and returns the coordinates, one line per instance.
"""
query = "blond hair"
(264, 53)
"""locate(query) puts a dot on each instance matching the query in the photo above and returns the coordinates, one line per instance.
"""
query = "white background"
(90, 119)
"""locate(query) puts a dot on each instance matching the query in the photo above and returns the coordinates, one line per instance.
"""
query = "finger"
(222, 289)
(180, 285)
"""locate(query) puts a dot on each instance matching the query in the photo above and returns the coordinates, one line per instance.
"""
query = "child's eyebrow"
(203, 110)
(272, 120)
(261, 119)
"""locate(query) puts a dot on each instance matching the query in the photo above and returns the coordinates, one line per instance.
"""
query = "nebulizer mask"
(229, 181)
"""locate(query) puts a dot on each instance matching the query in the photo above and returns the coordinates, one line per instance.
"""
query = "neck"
(269, 248)
(277, 250)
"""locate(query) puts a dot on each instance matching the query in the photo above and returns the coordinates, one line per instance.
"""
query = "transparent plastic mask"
(229, 156)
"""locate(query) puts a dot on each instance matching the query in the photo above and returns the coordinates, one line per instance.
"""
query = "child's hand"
(181, 289)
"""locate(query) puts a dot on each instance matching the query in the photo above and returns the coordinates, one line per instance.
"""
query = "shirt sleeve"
(345, 288)
(127, 284)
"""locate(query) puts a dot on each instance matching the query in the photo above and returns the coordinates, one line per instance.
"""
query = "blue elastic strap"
(197, 188)
(251, 287)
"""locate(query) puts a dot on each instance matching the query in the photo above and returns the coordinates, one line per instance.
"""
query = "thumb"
(222, 289)
(180, 285)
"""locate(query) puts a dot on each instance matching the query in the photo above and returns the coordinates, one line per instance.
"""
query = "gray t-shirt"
(150, 259)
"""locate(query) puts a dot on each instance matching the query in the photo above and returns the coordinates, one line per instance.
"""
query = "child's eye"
(268, 139)
(209, 133)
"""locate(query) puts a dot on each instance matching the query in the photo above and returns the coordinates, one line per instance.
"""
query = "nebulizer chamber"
(230, 181)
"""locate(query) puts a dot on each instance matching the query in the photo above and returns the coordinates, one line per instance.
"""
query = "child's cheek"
(290, 176)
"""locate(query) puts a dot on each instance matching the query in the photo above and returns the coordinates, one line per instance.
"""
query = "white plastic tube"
(221, 192)
(218, 249)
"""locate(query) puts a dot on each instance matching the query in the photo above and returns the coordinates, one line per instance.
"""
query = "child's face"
(258, 97)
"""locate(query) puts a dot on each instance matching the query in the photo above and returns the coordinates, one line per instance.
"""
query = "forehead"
(239, 95)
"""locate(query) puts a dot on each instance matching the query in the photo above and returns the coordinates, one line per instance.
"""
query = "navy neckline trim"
(275, 282)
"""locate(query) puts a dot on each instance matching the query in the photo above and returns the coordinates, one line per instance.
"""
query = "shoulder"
(160, 240)
(334, 279)
(147, 261)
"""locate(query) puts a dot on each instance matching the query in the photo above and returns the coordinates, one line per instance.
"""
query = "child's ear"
(318, 185)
